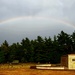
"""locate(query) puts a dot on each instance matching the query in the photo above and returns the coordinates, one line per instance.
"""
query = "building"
(68, 61)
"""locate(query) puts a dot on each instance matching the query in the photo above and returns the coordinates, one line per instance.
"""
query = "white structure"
(68, 61)
(71, 61)
(50, 66)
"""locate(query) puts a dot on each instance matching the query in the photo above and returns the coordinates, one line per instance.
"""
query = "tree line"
(43, 50)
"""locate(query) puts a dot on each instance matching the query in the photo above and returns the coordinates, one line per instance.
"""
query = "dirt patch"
(34, 72)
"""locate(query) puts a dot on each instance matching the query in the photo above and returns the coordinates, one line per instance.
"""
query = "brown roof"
(67, 55)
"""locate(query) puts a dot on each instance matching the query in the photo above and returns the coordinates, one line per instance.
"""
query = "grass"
(24, 69)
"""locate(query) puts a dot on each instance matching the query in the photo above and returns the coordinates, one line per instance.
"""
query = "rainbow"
(37, 17)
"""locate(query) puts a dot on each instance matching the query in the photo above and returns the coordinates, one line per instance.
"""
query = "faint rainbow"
(37, 17)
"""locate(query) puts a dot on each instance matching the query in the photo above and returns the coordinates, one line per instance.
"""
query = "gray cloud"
(69, 11)
(13, 8)
(31, 28)
(61, 9)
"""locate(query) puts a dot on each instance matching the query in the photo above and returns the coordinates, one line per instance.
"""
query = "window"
(73, 59)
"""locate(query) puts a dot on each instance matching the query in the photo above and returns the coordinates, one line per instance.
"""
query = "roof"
(67, 55)
(71, 54)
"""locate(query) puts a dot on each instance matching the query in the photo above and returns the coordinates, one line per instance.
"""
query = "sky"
(30, 18)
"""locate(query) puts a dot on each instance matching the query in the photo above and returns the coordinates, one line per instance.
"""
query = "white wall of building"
(71, 61)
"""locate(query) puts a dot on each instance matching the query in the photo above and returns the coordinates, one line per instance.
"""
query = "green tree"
(2, 57)
(64, 42)
(39, 49)
(48, 49)
(12, 52)
(55, 53)
(73, 42)
(26, 45)
(5, 50)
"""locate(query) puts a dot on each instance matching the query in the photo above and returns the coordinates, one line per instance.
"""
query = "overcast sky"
(63, 10)
(55, 8)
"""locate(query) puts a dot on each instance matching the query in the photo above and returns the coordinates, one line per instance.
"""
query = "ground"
(24, 69)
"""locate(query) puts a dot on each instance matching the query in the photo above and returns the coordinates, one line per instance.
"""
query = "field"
(24, 69)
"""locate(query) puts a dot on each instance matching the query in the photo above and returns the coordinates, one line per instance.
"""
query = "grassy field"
(24, 69)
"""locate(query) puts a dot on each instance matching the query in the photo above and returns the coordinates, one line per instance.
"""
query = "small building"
(15, 62)
(68, 61)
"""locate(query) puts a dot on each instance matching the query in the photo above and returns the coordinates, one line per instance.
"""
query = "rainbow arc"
(37, 17)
